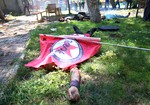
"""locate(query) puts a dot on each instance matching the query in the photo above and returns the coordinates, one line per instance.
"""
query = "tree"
(4, 4)
(7, 7)
(2, 16)
(146, 15)
(68, 6)
(94, 11)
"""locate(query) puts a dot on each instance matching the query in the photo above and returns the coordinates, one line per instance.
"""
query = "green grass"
(118, 76)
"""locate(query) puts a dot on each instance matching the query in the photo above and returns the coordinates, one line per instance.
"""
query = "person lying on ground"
(73, 90)
(114, 16)
(55, 50)
(79, 17)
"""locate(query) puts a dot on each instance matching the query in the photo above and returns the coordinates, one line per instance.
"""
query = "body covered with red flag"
(65, 51)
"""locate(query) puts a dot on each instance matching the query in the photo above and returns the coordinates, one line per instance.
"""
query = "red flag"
(65, 51)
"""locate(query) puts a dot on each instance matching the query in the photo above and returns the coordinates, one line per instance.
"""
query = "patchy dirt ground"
(13, 38)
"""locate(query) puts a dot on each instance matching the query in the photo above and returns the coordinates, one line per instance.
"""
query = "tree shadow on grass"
(129, 85)
(10, 51)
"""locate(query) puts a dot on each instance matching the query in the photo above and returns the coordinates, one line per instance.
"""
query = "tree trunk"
(146, 15)
(68, 6)
(17, 2)
(2, 15)
(4, 4)
(20, 5)
(94, 11)
(10, 6)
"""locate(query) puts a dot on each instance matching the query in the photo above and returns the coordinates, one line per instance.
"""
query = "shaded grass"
(119, 76)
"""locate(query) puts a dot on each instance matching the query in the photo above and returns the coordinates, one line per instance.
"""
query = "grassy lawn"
(115, 76)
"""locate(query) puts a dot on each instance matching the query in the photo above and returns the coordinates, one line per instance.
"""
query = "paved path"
(13, 38)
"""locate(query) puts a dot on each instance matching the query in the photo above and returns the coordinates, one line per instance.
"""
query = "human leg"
(91, 31)
(83, 5)
(77, 30)
(73, 90)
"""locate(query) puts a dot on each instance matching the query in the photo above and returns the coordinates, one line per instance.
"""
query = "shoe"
(73, 94)
(77, 30)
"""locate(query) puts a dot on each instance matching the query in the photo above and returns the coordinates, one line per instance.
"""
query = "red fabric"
(65, 51)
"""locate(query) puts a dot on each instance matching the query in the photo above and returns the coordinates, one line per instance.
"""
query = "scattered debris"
(53, 29)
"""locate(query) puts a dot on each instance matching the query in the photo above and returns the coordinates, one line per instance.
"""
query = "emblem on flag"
(67, 50)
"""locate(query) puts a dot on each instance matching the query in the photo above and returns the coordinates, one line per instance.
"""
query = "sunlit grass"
(117, 76)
